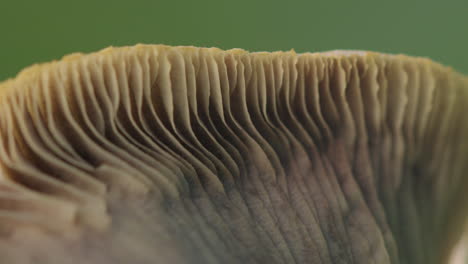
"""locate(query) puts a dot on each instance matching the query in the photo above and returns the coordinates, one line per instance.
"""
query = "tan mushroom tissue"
(159, 154)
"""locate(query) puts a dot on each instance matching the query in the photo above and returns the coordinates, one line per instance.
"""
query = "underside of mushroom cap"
(198, 155)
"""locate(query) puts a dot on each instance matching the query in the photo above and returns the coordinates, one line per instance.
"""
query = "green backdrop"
(39, 30)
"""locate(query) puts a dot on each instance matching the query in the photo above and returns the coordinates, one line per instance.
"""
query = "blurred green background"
(37, 31)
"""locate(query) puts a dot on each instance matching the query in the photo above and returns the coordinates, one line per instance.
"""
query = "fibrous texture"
(157, 154)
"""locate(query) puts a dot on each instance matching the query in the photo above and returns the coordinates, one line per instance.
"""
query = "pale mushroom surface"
(159, 154)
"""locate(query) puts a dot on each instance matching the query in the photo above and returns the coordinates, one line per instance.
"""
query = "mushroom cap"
(178, 154)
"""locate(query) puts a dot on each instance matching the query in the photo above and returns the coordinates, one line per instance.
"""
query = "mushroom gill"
(158, 154)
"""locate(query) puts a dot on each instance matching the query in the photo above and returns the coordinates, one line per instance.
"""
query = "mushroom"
(159, 154)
